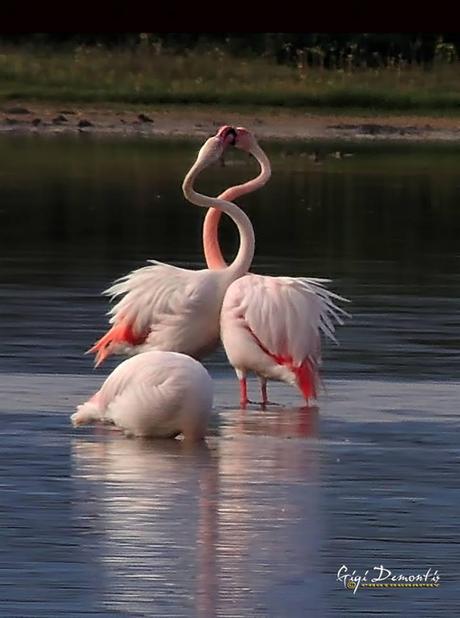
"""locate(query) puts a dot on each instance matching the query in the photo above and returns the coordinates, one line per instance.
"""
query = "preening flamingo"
(155, 394)
(272, 326)
(169, 308)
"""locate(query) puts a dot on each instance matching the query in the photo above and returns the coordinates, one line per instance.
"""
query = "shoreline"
(201, 121)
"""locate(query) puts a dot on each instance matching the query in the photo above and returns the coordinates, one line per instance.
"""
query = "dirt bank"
(183, 121)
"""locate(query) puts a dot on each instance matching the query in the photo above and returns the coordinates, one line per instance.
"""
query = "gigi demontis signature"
(381, 577)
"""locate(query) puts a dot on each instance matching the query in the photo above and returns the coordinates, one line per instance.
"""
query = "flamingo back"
(285, 315)
(158, 394)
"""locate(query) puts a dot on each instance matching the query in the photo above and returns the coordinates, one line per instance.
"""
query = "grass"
(145, 76)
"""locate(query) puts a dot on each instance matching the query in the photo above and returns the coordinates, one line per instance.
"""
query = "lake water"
(258, 521)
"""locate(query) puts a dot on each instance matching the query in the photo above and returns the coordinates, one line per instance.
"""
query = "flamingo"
(164, 307)
(155, 394)
(272, 326)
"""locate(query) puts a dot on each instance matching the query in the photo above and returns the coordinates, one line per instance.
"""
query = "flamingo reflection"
(225, 528)
(154, 506)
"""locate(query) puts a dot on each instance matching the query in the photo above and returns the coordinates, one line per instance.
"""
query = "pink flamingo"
(153, 395)
(272, 326)
(164, 307)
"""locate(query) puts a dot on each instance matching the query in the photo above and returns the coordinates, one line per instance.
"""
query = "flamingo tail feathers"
(121, 333)
(307, 378)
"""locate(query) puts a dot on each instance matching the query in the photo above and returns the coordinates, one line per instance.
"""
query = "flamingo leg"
(241, 375)
(243, 392)
(263, 389)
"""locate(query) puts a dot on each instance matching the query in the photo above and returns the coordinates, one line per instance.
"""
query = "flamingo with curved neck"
(163, 307)
(247, 142)
(243, 259)
(272, 326)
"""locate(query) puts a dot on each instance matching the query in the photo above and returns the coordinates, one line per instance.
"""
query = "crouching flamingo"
(153, 395)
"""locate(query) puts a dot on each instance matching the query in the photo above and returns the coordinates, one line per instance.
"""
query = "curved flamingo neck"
(243, 259)
(212, 251)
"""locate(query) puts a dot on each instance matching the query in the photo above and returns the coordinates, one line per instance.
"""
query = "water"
(258, 521)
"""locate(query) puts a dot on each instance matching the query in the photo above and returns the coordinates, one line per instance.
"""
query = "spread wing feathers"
(329, 311)
(157, 294)
(287, 314)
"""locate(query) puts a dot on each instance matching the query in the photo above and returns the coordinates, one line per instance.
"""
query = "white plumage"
(272, 326)
(175, 308)
(164, 307)
(154, 394)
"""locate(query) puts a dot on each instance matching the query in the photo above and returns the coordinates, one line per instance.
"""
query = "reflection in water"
(198, 528)
(281, 422)
(268, 513)
(96, 524)
(156, 511)
(207, 584)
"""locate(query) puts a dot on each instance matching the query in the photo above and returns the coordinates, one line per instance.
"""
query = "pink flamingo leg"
(263, 389)
(243, 393)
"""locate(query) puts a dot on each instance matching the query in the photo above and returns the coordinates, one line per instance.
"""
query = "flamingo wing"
(286, 315)
(155, 305)
(153, 293)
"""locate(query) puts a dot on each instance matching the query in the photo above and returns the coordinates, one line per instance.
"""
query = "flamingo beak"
(232, 135)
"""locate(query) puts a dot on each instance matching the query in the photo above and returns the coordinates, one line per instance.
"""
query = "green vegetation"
(150, 74)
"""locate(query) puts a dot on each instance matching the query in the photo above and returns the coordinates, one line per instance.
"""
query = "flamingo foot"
(265, 404)
(265, 401)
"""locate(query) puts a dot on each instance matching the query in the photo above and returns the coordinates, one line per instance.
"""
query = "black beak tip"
(232, 133)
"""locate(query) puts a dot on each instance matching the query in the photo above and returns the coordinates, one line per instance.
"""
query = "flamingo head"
(227, 135)
(245, 140)
(214, 147)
